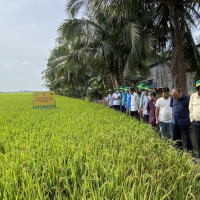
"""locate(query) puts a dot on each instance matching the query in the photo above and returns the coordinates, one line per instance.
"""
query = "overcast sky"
(28, 33)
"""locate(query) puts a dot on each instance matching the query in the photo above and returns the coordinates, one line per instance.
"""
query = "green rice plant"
(81, 150)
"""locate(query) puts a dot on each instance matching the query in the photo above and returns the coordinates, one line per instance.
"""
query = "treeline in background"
(108, 43)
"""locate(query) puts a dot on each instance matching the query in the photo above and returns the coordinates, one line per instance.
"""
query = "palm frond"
(74, 6)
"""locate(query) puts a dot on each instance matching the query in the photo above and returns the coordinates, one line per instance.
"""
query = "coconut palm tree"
(96, 49)
(172, 22)
(127, 52)
(65, 70)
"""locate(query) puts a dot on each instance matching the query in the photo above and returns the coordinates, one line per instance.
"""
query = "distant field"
(82, 150)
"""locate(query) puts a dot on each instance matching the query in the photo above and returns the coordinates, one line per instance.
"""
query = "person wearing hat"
(110, 98)
(124, 99)
(116, 99)
(152, 109)
(141, 86)
(121, 87)
(180, 119)
(164, 113)
(194, 107)
(135, 102)
(145, 102)
(128, 101)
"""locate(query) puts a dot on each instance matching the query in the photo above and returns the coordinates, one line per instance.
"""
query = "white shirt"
(194, 107)
(116, 102)
(135, 102)
(110, 99)
(145, 102)
(165, 111)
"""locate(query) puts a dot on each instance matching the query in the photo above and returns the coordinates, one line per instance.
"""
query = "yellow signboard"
(43, 99)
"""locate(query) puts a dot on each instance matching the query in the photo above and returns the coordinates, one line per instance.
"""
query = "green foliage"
(104, 45)
(118, 41)
(97, 89)
(163, 25)
(81, 150)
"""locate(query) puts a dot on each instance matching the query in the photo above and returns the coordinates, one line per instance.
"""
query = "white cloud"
(28, 33)
(25, 63)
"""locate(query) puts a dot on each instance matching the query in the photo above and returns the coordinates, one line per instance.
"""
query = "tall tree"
(173, 18)
(129, 43)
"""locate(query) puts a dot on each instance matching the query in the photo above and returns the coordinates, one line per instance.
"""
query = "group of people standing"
(174, 113)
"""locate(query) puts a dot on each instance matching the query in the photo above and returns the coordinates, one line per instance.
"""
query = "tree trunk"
(114, 80)
(83, 75)
(112, 75)
(121, 71)
(79, 93)
(178, 68)
(72, 81)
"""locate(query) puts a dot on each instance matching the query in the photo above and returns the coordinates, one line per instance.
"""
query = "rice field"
(81, 150)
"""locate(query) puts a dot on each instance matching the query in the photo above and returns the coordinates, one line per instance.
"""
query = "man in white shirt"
(194, 107)
(146, 100)
(164, 113)
(135, 103)
(116, 99)
(110, 98)
(142, 89)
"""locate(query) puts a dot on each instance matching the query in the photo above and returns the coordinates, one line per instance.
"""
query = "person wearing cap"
(116, 99)
(135, 103)
(152, 109)
(145, 102)
(164, 113)
(141, 86)
(194, 107)
(110, 98)
(180, 119)
(128, 102)
(124, 99)
(121, 87)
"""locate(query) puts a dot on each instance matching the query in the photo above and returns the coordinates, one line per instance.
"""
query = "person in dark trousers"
(128, 102)
(180, 119)
(141, 87)
(194, 107)
(135, 103)
(152, 109)
(124, 99)
(116, 100)
(145, 102)
(110, 98)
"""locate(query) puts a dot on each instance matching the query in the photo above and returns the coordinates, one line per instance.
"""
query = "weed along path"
(82, 150)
